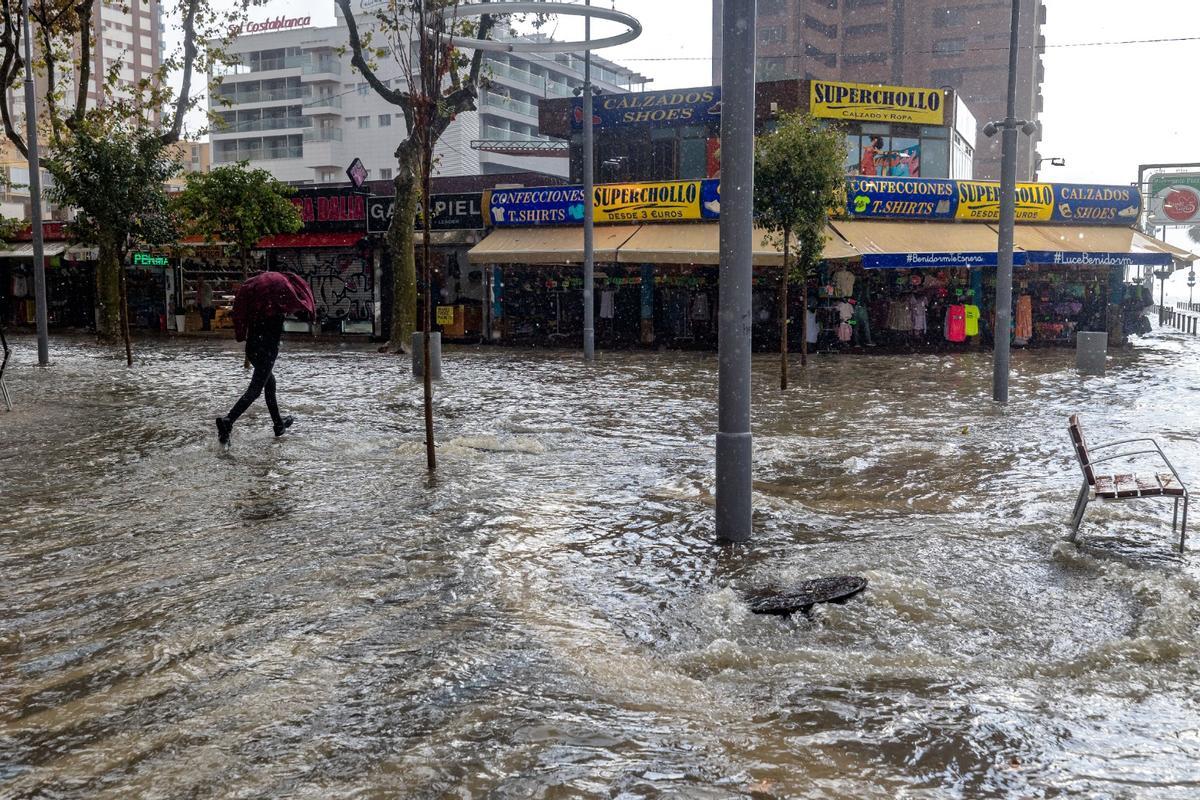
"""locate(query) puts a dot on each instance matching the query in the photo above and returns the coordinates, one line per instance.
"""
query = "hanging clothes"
(916, 310)
(956, 323)
(1024, 318)
(843, 283)
(971, 320)
(700, 307)
(844, 331)
(812, 331)
(607, 303)
(845, 311)
(898, 317)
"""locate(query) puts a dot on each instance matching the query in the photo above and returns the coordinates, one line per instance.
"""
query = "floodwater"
(313, 617)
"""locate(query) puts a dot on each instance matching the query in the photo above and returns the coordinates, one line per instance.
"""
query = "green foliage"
(799, 176)
(113, 176)
(9, 228)
(236, 204)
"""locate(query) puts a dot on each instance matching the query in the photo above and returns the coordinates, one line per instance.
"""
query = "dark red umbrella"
(271, 294)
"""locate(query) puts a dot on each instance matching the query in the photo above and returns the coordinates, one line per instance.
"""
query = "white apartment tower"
(295, 106)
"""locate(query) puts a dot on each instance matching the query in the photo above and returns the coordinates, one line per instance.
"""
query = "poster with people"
(879, 161)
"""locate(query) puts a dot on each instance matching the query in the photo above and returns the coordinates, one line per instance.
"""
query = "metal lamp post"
(734, 451)
(1191, 285)
(1008, 203)
(589, 255)
(35, 199)
(1162, 275)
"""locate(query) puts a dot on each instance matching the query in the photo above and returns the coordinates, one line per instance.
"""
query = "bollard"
(1091, 351)
(435, 354)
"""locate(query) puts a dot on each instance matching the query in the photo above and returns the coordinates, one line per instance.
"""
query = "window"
(364, 89)
(769, 8)
(816, 54)
(812, 23)
(385, 174)
(364, 122)
(866, 30)
(853, 4)
(865, 58)
(385, 120)
(947, 77)
(949, 17)
(949, 47)
(772, 35)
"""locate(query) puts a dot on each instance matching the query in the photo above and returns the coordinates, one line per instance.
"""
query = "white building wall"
(353, 127)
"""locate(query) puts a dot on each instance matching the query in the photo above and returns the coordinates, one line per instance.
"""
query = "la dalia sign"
(1175, 198)
(863, 101)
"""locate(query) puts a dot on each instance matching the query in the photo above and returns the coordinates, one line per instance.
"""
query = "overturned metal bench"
(1124, 486)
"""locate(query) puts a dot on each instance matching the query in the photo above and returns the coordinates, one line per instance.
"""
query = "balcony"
(260, 154)
(323, 135)
(491, 100)
(321, 69)
(250, 125)
(323, 104)
(542, 85)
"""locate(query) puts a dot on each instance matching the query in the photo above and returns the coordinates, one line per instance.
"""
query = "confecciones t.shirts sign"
(277, 24)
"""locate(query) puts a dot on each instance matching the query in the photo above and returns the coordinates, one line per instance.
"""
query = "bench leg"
(1175, 517)
(1183, 528)
(1080, 506)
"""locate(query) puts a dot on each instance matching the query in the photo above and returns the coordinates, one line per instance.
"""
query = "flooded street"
(314, 617)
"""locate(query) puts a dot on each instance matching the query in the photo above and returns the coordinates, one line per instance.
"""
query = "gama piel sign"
(940, 199)
(865, 101)
(665, 201)
(1175, 198)
(451, 212)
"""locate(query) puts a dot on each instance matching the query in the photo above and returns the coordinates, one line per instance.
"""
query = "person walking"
(204, 301)
(258, 311)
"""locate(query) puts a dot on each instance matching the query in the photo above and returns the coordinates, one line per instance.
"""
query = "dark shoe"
(283, 425)
(224, 428)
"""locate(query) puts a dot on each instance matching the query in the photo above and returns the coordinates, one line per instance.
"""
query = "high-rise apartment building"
(295, 106)
(959, 44)
(127, 37)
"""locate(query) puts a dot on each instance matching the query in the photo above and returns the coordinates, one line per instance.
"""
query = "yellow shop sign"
(980, 201)
(867, 101)
(671, 201)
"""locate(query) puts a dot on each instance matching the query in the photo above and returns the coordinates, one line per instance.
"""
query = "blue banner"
(664, 201)
(1060, 259)
(934, 260)
(1085, 204)
(901, 198)
(699, 106)
(939, 199)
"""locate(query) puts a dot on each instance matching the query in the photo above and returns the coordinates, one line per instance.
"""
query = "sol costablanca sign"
(864, 101)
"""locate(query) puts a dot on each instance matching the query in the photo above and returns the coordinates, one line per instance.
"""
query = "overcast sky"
(1108, 108)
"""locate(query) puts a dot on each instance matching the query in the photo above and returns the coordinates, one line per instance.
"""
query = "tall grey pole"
(736, 252)
(1008, 204)
(589, 306)
(35, 200)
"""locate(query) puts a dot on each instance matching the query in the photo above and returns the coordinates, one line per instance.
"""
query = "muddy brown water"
(314, 617)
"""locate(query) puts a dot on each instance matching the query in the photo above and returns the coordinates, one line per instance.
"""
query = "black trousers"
(262, 348)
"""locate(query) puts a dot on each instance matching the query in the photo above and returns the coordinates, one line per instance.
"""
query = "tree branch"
(13, 63)
(393, 96)
(190, 51)
(83, 13)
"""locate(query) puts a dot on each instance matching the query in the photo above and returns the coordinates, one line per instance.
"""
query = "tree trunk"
(804, 320)
(108, 294)
(124, 285)
(783, 317)
(401, 242)
(245, 262)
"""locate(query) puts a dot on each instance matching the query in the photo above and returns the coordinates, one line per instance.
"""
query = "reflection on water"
(549, 617)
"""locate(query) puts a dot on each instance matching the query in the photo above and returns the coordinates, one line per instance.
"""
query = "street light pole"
(35, 199)
(589, 259)
(1008, 202)
(734, 451)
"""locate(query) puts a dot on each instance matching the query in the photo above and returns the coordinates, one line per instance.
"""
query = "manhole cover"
(803, 596)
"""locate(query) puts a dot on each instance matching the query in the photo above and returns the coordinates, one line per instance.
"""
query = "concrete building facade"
(956, 44)
(295, 106)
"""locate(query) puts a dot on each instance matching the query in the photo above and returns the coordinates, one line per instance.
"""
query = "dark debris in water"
(804, 595)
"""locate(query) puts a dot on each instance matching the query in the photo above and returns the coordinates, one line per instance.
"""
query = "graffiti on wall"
(341, 282)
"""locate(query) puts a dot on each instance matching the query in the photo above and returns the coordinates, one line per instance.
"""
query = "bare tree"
(437, 83)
